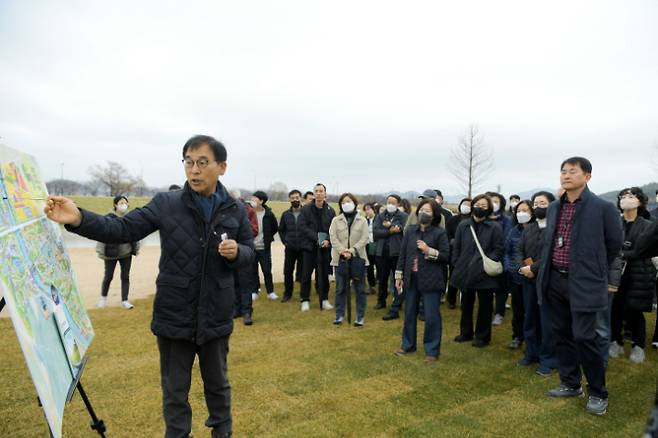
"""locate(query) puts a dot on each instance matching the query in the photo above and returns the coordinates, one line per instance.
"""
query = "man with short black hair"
(204, 236)
(314, 222)
(291, 237)
(309, 197)
(582, 239)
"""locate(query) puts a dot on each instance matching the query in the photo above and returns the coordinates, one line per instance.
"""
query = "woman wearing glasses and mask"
(349, 234)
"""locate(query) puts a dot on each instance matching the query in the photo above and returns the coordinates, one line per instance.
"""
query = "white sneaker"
(654, 345)
(498, 319)
(306, 306)
(254, 296)
(126, 305)
(326, 305)
(615, 350)
(272, 296)
(637, 354)
(102, 303)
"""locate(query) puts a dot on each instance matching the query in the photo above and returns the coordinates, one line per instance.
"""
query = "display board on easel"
(40, 288)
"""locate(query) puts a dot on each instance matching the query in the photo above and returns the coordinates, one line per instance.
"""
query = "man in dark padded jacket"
(204, 236)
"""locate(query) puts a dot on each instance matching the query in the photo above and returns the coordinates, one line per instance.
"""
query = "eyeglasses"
(201, 163)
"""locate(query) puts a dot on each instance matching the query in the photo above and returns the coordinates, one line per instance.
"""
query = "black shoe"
(247, 319)
(390, 316)
(564, 391)
(479, 343)
(285, 299)
(237, 314)
(461, 338)
(380, 305)
(452, 306)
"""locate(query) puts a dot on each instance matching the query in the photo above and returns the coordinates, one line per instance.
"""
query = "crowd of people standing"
(569, 261)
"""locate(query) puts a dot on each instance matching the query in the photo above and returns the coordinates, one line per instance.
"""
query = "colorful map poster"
(39, 286)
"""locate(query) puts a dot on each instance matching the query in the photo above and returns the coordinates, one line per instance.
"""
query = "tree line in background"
(471, 163)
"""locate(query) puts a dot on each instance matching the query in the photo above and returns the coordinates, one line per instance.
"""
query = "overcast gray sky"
(365, 96)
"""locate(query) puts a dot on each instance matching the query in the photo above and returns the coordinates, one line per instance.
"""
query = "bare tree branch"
(471, 161)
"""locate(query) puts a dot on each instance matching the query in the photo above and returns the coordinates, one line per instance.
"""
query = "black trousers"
(244, 286)
(176, 360)
(483, 321)
(317, 260)
(634, 320)
(372, 279)
(292, 257)
(110, 265)
(264, 259)
(518, 310)
(576, 339)
(385, 268)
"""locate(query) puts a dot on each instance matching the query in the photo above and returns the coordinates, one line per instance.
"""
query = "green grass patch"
(296, 375)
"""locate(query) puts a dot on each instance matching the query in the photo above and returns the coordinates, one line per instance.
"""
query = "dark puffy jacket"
(382, 235)
(530, 245)
(510, 258)
(596, 239)
(639, 277)
(309, 226)
(270, 227)
(453, 223)
(195, 286)
(468, 272)
(289, 231)
(430, 270)
(505, 223)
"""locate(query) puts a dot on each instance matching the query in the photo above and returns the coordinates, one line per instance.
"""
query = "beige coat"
(358, 237)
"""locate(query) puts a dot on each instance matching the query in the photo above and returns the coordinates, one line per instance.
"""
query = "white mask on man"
(122, 208)
(391, 208)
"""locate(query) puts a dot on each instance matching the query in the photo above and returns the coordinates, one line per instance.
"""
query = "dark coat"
(530, 245)
(510, 258)
(309, 226)
(596, 239)
(639, 277)
(453, 223)
(382, 235)
(195, 286)
(430, 271)
(468, 272)
(289, 231)
(270, 227)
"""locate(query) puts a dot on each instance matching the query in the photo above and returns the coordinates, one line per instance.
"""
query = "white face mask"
(496, 207)
(629, 203)
(391, 208)
(348, 207)
(465, 209)
(523, 217)
(122, 208)
(513, 204)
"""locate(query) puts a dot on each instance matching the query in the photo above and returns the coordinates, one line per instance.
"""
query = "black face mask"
(480, 212)
(295, 204)
(424, 218)
(540, 213)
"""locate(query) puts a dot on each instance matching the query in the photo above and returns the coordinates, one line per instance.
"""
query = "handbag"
(491, 267)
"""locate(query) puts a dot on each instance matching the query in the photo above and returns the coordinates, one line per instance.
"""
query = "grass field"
(297, 375)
